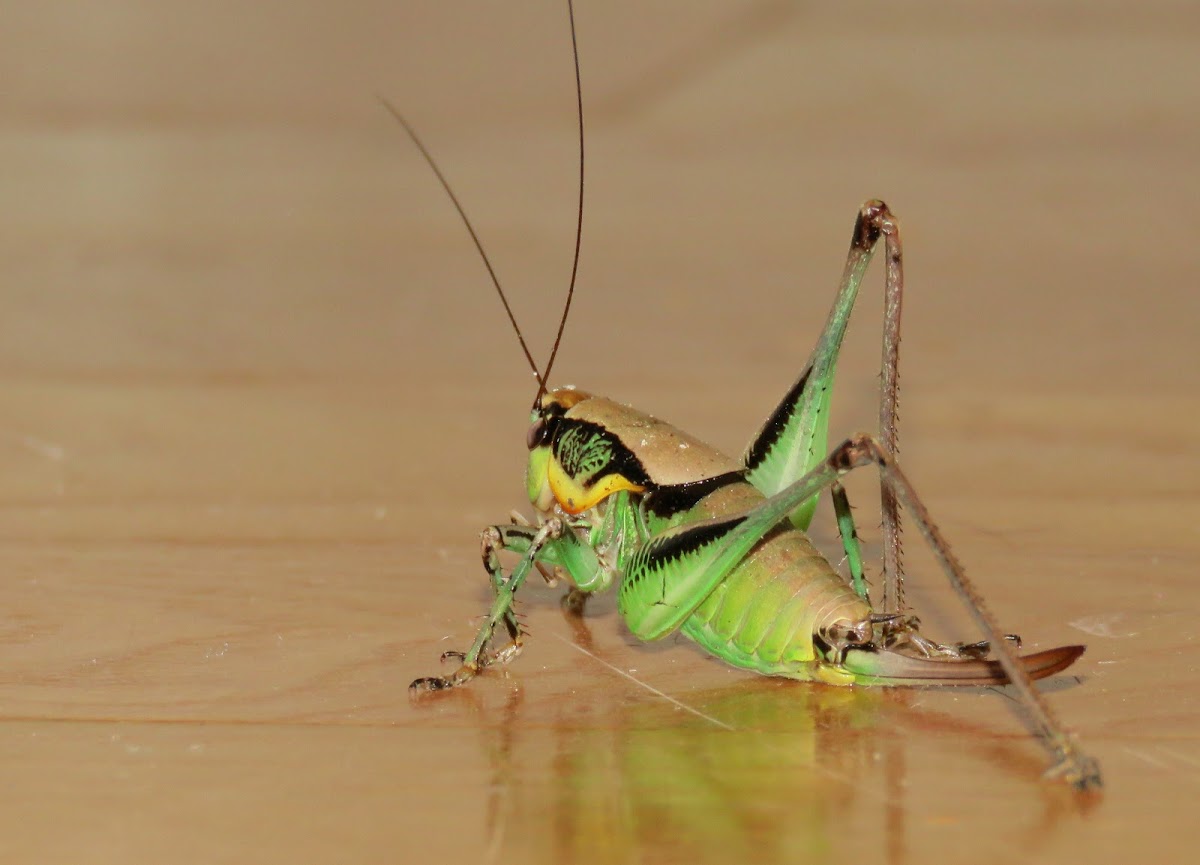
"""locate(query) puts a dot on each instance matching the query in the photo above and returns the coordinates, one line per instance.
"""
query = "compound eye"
(538, 434)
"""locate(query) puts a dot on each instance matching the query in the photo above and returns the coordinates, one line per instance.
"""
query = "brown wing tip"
(901, 668)
(1051, 661)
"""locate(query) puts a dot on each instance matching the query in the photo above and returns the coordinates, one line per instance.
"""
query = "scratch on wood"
(714, 721)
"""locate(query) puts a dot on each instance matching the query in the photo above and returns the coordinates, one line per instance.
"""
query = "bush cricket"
(715, 548)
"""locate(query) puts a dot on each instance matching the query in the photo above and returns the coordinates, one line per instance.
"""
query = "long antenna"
(562, 323)
(475, 237)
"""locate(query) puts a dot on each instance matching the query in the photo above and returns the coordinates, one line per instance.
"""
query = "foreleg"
(528, 540)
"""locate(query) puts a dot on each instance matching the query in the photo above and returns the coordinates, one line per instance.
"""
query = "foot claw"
(1077, 769)
(465, 673)
(461, 676)
(573, 602)
(980, 650)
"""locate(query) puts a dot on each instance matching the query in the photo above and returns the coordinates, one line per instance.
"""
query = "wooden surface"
(257, 400)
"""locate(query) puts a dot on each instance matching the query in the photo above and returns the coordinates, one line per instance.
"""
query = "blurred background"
(257, 398)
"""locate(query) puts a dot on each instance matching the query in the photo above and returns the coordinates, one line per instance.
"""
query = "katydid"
(715, 548)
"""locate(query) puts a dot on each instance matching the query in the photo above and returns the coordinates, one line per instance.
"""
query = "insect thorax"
(584, 448)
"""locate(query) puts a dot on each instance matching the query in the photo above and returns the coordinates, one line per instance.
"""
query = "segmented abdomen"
(764, 614)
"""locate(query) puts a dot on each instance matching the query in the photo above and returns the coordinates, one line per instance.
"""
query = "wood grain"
(256, 402)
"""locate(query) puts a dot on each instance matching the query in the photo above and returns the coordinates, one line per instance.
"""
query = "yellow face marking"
(575, 499)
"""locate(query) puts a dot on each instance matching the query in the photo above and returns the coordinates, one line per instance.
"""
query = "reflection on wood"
(760, 770)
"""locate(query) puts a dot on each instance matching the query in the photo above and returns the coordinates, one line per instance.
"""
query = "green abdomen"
(764, 614)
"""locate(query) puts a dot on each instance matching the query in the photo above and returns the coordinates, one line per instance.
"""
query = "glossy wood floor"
(257, 400)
